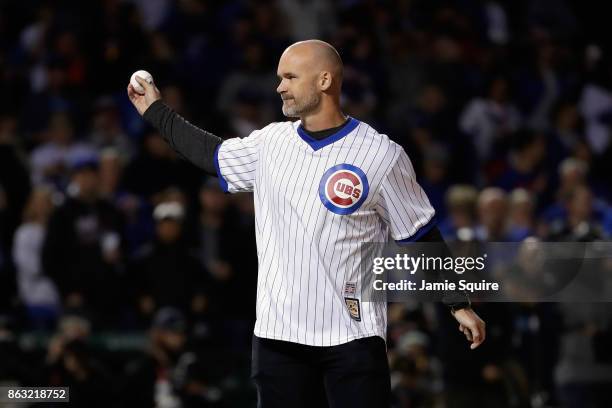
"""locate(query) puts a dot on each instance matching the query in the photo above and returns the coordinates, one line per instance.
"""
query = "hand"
(471, 325)
(142, 102)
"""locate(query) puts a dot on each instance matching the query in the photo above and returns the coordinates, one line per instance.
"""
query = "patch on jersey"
(353, 307)
(343, 188)
(350, 288)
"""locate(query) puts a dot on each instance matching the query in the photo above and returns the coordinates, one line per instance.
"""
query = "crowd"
(504, 107)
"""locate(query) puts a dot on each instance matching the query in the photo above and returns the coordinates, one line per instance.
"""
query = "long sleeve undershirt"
(192, 143)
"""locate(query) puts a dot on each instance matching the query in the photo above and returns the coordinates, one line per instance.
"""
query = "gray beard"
(298, 110)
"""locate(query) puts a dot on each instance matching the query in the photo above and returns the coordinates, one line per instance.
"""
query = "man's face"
(298, 84)
(88, 182)
(169, 231)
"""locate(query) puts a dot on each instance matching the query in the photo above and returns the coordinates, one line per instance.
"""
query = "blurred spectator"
(253, 78)
(497, 27)
(110, 171)
(71, 362)
(580, 223)
(461, 205)
(54, 97)
(492, 213)
(571, 173)
(215, 236)
(192, 381)
(565, 138)
(36, 290)
(521, 218)
(432, 115)
(523, 166)
(83, 251)
(165, 273)
(309, 19)
(490, 120)
(233, 276)
(51, 159)
(107, 131)
(149, 380)
(89, 381)
(71, 327)
(541, 84)
(247, 114)
(416, 375)
(154, 13)
(596, 107)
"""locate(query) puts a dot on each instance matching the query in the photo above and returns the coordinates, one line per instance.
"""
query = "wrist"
(152, 109)
(460, 306)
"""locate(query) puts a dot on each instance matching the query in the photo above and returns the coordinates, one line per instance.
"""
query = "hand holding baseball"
(142, 91)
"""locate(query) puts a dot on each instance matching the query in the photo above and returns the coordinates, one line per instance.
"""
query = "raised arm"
(192, 143)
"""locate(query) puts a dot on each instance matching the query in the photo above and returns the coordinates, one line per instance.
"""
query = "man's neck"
(323, 120)
(322, 134)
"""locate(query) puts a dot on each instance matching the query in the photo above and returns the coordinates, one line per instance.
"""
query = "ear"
(325, 80)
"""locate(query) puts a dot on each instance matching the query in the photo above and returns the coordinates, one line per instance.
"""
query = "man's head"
(169, 217)
(492, 211)
(85, 178)
(309, 72)
(168, 331)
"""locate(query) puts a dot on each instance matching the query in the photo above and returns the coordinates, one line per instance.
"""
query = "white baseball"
(143, 75)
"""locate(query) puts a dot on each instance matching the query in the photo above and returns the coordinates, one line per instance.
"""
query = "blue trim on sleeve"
(422, 231)
(222, 181)
(319, 144)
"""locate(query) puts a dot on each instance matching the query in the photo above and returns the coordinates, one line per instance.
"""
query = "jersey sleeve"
(236, 161)
(402, 203)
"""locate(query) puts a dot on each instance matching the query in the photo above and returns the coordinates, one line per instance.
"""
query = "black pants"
(351, 375)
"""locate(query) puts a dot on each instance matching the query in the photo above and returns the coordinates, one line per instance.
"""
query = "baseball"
(143, 75)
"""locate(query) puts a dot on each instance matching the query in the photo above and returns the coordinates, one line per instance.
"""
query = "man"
(165, 273)
(83, 248)
(322, 186)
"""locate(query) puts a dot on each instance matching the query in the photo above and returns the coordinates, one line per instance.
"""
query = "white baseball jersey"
(315, 203)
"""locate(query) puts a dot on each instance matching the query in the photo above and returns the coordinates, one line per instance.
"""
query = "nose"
(281, 87)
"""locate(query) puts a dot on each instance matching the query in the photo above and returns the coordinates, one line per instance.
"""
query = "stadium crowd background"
(128, 275)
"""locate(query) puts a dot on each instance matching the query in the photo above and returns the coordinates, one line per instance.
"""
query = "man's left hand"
(471, 325)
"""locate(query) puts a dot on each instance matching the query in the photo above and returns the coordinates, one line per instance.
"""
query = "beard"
(298, 108)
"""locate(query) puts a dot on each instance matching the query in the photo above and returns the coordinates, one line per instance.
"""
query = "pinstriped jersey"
(316, 201)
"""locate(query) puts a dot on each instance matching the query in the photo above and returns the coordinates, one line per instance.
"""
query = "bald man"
(323, 185)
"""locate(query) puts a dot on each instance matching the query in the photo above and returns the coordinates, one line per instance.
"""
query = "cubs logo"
(343, 188)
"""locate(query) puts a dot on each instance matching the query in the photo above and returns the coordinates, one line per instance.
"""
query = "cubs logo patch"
(353, 307)
(343, 188)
